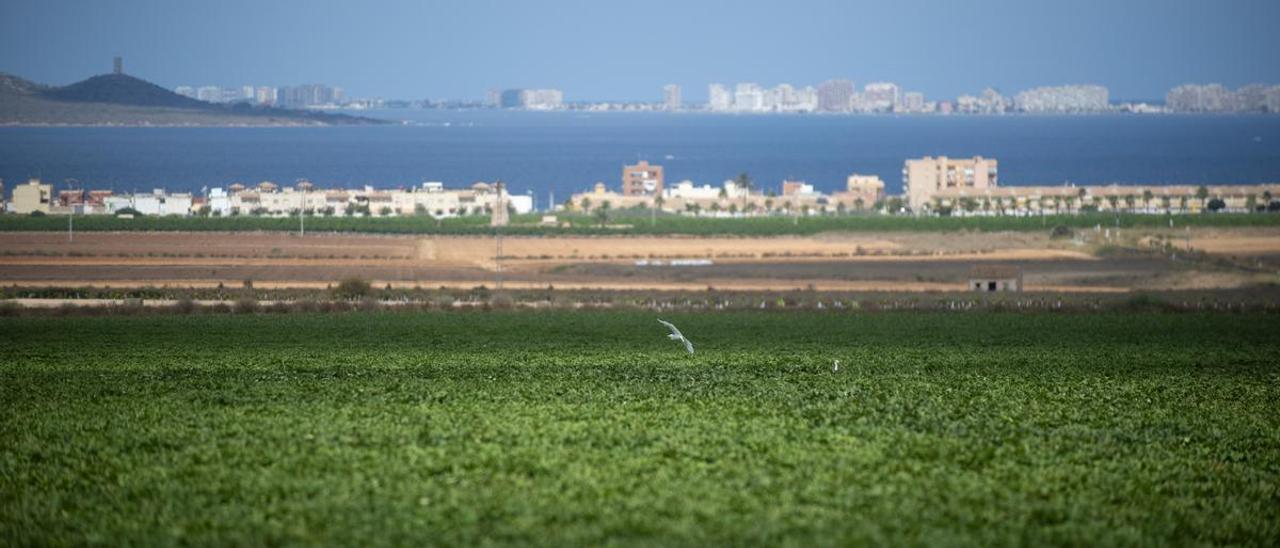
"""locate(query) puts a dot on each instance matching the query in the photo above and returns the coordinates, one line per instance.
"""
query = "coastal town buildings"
(1070, 199)
(879, 97)
(642, 179)
(269, 199)
(923, 177)
(530, 99)
(752, 98)
(671, 100)
(932, 185)
(719, 99)
(835, 96)
(31, 197)
(1063, 99)
(863, 191)
(1211, 98)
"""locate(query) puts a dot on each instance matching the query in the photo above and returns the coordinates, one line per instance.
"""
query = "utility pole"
(498, 221)
(71, 213)
(302, 185)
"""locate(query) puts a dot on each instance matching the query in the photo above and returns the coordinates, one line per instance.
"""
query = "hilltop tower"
(117, 65)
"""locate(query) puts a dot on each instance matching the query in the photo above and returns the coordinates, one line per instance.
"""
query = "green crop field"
(590, 428)
(638, 222)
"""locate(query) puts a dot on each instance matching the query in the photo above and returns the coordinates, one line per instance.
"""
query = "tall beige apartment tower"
(923, 177)
(642, 179)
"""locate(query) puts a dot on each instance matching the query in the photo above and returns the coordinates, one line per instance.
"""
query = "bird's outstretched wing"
(672, 327)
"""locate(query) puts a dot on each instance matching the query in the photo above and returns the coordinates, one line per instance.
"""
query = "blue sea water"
(566, 152)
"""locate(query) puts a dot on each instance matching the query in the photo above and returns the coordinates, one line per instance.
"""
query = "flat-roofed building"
(993, 278)
(1064, 199)
(793, 188)
(924, 177)
(642, 179)
(31, 197)
(861, 191)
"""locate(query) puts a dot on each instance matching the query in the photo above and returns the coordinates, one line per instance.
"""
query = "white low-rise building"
(219, 202)
(158, 202)
(686, 190)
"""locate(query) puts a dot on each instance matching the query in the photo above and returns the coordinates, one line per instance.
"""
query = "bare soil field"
(856, 262)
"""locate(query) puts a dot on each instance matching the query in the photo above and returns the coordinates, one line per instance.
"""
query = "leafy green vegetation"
(635, 222)
(564, 428)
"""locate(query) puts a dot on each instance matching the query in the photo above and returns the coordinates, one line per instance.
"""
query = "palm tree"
(1147, 195)
(1114, 201)
(602, 216)
(1203, 194)
(1251, 203)
(1129, 200)
(744, 182)
(586, 204)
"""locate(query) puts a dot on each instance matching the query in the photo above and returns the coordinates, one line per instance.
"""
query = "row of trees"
(1083, 202)
(357, 210)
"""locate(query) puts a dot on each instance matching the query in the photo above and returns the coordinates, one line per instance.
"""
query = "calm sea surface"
(567, 152)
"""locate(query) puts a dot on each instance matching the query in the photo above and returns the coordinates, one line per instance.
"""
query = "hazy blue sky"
(627, 50)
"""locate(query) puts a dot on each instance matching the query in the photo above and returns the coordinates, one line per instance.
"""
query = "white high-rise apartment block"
(1217, 98)
(718, 98)
(881, 96)
(806, 99)
(265, 95)
(1063, 99)
(748, 97)
(671, 99)
(542, 99)
(212, 94)
(913, 101)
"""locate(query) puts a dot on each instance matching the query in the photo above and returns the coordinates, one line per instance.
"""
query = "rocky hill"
(122, 100)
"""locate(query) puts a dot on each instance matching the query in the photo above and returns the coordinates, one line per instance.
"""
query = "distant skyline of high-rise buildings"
(1138, 49)
(829, 96)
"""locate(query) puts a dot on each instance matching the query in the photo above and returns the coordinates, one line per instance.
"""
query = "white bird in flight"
(676, 335)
